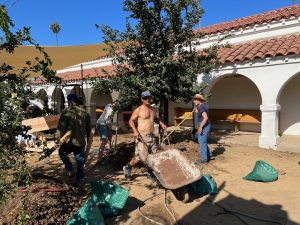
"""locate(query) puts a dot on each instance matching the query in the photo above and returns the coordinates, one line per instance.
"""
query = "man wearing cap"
(143, 133)
(77, 120)
(203, 128)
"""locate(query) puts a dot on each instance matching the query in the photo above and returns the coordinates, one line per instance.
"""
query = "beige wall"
(101, 99)
(172, 106)
(233, 92)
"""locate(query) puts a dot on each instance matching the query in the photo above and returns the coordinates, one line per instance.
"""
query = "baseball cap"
(72, 97)
(146, 94)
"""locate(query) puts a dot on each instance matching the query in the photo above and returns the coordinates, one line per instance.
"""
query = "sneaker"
(79, 184)
(127, 172)
(200, 162)
(212, 158)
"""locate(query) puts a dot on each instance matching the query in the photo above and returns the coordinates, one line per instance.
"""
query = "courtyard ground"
(238, 202)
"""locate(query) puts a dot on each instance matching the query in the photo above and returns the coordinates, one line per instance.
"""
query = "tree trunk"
(164, 111)
(56, 40)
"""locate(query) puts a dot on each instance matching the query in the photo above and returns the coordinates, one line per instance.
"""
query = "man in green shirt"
(78, 121)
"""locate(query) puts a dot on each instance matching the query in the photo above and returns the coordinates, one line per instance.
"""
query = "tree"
(15, 93)
(55, 27)
(157, 52)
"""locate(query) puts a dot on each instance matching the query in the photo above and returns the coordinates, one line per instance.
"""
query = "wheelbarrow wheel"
(181, 194)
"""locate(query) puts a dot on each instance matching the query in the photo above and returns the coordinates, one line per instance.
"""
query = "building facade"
(260, 71)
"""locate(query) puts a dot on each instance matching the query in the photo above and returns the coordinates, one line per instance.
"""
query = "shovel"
(48, 151)
(161, 144)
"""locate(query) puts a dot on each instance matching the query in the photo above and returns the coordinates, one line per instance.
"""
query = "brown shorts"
(143, 148)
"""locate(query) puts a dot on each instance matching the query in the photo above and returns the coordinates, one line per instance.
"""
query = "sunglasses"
(147, 98)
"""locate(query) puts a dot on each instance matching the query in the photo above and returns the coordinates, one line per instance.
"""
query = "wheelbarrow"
(174, 172)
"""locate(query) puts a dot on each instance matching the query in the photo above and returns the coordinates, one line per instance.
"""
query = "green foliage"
(157, 52)
(15, 94)
(42, 95)
(23, 216)
(55, 27)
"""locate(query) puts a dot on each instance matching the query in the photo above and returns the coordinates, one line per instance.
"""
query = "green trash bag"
(88, 214)
(205, 185)
(262, 172)
(110, 197)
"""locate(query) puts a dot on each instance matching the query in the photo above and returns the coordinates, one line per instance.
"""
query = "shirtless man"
(143, 134)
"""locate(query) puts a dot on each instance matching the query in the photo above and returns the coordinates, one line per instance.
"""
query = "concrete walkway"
(288, 143)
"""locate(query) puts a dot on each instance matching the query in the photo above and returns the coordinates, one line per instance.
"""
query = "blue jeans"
(78, 152)
(202, 140)
(102, 131)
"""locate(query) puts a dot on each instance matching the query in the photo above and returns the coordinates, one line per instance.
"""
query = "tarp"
(88, 214)
(110, 197)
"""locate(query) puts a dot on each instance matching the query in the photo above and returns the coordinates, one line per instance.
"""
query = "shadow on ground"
(234, 210)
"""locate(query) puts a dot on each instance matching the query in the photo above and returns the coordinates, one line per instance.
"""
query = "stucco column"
(91, 109)
(269, 137)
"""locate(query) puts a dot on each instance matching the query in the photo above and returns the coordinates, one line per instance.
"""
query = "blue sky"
(78, 18)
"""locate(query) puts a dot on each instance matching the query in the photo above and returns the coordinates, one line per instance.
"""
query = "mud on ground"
(276, 201)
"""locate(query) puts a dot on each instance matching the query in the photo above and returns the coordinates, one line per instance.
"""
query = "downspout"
(81, 82)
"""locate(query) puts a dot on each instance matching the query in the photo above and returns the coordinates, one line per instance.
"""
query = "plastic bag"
(88, 214)
(206, 185)
(110, 197)
(262, 172)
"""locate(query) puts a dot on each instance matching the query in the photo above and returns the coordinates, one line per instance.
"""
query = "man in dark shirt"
(76, 119)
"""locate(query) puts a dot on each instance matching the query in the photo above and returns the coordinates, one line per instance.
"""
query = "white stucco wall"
(289, 115)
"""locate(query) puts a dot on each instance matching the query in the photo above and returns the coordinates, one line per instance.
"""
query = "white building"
(260, 72)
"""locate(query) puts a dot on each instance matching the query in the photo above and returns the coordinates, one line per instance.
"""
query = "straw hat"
(199, 97)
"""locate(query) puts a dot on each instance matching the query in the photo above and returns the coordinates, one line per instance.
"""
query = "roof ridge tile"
(269, 16)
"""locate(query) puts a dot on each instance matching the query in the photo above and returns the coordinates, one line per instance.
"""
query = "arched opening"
(42, 95)
(100, 101)
(78, 91)
(234, 103)
(57, 101)
(289, 115)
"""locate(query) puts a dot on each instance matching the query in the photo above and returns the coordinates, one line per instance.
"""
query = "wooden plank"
(188, 115)
(235, 115)
(42, 123)
(99, 110)
(181, 114)
(247, 118)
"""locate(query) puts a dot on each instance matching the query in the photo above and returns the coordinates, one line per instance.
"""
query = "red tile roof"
(76, 75)
(266, 17)
(87, 73)
(280, 46)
